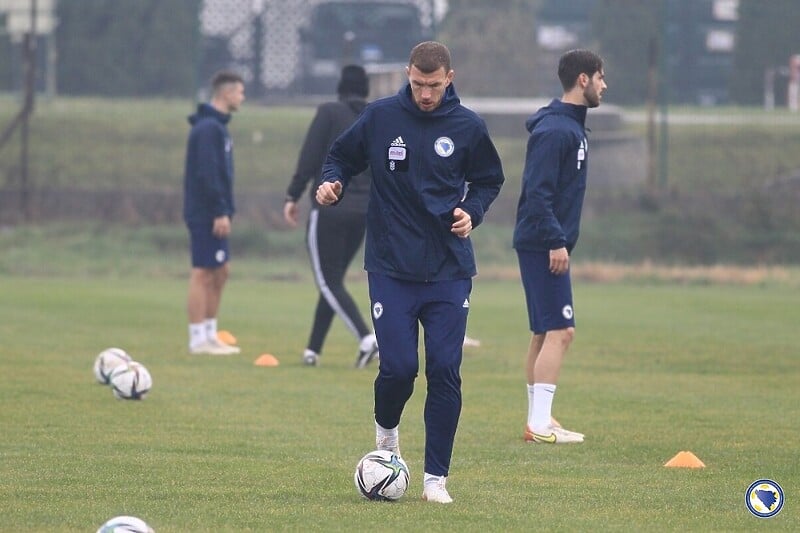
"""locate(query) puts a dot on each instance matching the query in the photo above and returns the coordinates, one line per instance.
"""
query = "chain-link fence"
(298, 46)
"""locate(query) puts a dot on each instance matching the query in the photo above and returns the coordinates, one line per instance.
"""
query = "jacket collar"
(450, 101)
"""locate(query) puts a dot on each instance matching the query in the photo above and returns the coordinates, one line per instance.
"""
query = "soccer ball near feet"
(381, 475)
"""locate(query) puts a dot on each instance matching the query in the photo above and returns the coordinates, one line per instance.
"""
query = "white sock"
(211, 328)
(542, 406)
(530, 405)
(430, 479)
(367, 342)
(197, 334)
(381, 431)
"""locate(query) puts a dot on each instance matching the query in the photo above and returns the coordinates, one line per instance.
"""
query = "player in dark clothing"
(208, 210)
(548, 222)
(333, 235)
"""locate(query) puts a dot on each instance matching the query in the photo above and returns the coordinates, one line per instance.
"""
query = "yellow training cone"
(685, 460)
(266, 359)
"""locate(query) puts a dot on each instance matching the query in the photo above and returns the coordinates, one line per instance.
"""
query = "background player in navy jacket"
(434, 173)
(333, 235)
(548, 220)
(208, 208)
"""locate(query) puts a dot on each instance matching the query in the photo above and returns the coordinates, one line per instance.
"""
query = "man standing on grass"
(435, 172)
(548, 220)
(208, 209)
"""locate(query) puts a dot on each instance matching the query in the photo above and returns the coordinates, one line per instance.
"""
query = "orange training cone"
(226, 337)
(266, 359)
(685, 460)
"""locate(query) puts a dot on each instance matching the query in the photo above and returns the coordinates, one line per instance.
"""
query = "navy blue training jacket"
(554, 179)
(208, 177)
(423, 166)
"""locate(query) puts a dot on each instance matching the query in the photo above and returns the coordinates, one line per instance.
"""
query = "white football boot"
(553, 435)
(435, 491)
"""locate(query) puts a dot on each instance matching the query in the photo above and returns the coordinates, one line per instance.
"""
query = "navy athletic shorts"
(208, 251)
(549, 297)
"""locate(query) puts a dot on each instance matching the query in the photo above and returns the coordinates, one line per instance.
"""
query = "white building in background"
(17, 19)
(16, 15)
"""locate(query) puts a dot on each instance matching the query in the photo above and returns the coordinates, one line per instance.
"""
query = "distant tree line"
(130, 48)
(493, 46)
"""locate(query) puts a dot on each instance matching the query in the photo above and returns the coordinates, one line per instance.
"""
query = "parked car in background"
(377, 35)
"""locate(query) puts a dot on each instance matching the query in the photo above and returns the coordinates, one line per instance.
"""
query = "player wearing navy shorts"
(208, 209)
(546, 231)
(423, 150)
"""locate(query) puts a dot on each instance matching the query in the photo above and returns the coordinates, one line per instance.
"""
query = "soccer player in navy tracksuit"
(548, 220)
(208, 210)
(435, 173)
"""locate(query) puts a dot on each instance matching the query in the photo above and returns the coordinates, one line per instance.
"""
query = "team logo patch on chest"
(444, 146)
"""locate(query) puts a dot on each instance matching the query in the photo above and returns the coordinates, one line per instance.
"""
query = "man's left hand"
(462, 225)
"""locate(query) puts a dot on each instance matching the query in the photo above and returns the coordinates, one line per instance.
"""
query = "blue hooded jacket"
(208, 177)
(554, 179)
(423, 165)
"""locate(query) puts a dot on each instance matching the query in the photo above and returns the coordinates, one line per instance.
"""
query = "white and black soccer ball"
(125, 524)
(131, 381)
(381, 475)
(108, 360)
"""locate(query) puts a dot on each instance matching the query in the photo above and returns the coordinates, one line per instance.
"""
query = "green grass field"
(222, 445)
(707, 363)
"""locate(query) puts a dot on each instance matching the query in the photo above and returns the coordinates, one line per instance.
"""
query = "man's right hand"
(221, 227)
(328, 192)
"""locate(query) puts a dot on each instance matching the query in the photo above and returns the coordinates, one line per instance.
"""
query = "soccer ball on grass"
(131, 381)
(125, 524)
(381, 475)
(107, 361)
